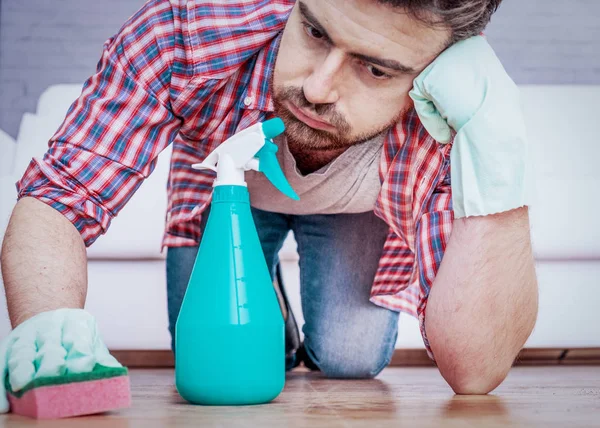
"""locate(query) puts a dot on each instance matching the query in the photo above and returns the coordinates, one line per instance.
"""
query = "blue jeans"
(345, 335)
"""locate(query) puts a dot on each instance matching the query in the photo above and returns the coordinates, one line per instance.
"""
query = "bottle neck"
(230, 193)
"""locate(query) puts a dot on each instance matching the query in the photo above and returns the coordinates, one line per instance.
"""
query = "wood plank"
(587, 356)
(545, 397)
(539, 356)
(144, 358)
(411, 358)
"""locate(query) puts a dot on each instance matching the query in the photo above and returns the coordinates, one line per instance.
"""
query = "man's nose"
(321, 86)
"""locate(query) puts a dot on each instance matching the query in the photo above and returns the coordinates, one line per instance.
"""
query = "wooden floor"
(557, 396)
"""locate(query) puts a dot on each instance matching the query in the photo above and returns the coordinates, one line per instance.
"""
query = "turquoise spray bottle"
(230, 337)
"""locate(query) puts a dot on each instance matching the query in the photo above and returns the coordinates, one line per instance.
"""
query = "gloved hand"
(466, 90)
(51, 343)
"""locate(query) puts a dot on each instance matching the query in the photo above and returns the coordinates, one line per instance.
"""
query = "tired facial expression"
(344, 69)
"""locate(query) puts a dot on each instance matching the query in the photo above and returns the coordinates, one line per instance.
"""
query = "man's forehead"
(377, 28)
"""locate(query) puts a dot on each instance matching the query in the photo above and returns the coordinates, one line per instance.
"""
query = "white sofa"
(127, 272)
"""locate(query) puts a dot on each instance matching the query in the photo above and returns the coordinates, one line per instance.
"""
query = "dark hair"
(465, 18)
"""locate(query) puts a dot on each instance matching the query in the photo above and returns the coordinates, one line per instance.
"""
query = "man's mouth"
(308, 119)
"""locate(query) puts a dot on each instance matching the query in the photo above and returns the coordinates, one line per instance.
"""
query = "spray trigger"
(268, 165)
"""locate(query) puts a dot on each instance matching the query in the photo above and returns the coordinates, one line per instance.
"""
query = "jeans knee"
(340, 362)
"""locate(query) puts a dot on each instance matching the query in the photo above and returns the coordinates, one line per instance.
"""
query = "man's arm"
(484, 300)
(107, 145)
(43, 262)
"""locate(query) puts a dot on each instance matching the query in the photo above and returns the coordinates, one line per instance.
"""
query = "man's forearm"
(44, 262)
(483, 304)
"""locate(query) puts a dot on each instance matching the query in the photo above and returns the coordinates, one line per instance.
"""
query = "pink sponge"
(79, 396)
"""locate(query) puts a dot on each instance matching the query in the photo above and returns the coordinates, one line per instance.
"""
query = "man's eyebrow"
(386, 63)
(312, 20)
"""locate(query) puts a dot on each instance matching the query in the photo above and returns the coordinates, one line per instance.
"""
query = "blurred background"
(47, 42)
(551, 48)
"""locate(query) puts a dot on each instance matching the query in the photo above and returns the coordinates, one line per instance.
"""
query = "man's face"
(345, 67)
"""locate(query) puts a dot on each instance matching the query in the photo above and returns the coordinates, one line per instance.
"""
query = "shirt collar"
(258, 94)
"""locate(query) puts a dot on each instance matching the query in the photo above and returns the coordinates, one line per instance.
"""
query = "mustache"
(296, 96)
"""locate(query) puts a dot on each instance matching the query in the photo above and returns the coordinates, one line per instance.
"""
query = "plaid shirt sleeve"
(432, 236)
(124, 117)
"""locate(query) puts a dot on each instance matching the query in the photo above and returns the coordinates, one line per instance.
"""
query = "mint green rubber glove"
(52, 343)
(466, 90)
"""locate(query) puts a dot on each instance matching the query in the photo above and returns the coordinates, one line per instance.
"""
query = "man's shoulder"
(224, 34)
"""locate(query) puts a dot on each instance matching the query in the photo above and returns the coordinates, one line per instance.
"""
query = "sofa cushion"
(565, 145)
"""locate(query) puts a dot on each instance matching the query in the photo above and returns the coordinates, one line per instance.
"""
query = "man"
(380, 98)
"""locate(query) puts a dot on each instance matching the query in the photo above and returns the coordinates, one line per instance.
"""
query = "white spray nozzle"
(249, 149)
(230, 160)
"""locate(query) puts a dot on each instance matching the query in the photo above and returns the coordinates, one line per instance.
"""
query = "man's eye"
(312, 31)
(377, 73)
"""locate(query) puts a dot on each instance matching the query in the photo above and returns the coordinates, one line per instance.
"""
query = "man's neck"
(309, 161)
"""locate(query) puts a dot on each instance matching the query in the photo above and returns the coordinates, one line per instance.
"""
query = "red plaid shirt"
(192, 74)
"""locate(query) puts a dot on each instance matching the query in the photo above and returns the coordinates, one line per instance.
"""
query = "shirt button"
(248, 101)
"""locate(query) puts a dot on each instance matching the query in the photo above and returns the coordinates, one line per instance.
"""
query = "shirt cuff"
(489, 176)
(43, 183)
